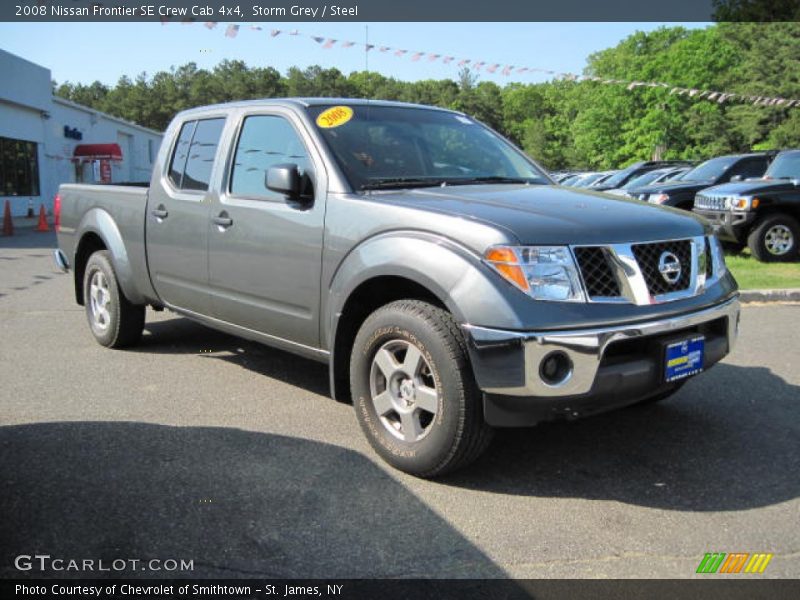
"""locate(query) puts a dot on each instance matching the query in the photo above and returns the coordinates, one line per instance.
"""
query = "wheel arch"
(414, 266)
(100, 232)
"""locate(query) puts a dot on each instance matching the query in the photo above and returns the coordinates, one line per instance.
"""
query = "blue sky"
(84, 52)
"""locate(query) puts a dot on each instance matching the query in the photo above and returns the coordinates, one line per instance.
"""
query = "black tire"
(452, 437)
(113, 320)
(761, 238)
(661, 396)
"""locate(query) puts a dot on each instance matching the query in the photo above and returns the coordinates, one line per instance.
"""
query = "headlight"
(542, 272)
(719, 268)
(657, 198)
(743, 203)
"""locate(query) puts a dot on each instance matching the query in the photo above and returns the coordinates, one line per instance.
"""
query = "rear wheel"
(113, 320)
(775, 238)
(414, 393)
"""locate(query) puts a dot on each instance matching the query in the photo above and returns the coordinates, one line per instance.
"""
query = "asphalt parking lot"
(201, 446)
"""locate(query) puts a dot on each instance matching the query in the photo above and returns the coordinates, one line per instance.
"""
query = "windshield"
(643, 179)
(387, 146)
(618, 178)
(785, 166)
(711, 170)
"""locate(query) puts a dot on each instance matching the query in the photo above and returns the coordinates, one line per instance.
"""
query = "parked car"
(573, 180)
(559, 177)
(587, 180)
(650, 178)
(448, 284)
(681, 193)
(566, 179)
(598, 182)
(623, 176)
(764, 214)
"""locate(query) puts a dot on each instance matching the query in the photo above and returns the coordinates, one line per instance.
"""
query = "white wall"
(28, 111)
(24, 82)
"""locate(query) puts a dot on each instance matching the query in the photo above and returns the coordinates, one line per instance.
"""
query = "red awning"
(97, 152)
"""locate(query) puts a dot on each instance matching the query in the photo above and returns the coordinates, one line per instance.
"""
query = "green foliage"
(564, 124)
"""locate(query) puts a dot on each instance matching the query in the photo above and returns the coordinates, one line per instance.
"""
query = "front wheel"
(414, 393)
(775, 238)
(113, 320)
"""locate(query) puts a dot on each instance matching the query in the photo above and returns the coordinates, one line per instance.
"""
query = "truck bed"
(120, 209)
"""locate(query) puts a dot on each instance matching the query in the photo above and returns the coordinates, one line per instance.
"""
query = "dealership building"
(46, 141)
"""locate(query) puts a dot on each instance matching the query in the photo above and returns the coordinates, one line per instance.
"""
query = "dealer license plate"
(684, 358)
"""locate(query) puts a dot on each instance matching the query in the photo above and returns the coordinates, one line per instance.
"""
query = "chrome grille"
(709, 202)
(598, 276)
(648, 257)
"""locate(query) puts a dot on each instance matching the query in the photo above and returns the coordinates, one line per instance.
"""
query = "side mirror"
(737, 178)
(284, 179)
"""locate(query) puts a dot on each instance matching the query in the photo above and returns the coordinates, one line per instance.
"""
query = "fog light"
(555, 368)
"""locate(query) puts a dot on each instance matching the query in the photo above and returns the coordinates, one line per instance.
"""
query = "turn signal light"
(507, 264)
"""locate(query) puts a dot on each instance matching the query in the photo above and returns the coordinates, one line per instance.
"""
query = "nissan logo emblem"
(670, 267)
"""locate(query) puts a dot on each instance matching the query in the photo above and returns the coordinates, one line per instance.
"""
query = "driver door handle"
(160, 212)
(223, 220)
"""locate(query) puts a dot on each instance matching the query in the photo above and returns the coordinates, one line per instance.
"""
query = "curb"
(788, 295)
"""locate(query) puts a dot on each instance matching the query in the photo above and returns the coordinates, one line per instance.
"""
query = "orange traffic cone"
(8, 224)
(42, 226)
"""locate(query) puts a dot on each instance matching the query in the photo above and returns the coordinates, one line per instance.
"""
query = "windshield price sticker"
(334, 117)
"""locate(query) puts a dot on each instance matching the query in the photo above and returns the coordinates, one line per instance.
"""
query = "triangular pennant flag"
(447, 60)
(400, 52)
(275, 32)
(507, 70)
(417, 56)
(210, 24)
(318, 39)
(464, 61)
(492, 68)
(348, 44)
(433, 57)
(368, 47)
(255, 27)
(232, 31)
(329, 43)
(384, 49)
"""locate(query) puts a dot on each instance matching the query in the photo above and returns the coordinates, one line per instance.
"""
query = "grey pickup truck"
(449, 284)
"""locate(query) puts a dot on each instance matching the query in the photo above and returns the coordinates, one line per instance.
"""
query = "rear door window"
(202, 151)
(194, 153)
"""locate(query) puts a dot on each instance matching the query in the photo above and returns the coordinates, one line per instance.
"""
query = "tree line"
(562, 123)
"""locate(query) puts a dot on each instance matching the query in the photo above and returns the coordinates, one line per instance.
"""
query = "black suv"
(680, 193)
(764, 214)
(620, 178)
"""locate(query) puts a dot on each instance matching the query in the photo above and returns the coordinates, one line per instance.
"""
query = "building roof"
(75, 105)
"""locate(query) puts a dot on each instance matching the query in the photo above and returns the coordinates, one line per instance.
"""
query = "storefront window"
(19, 168)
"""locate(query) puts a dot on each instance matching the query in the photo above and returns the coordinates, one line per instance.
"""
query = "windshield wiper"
(491, 179)
(392, 183)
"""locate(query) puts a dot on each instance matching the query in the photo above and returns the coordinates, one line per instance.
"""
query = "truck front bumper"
(529, 377)
(730, 226)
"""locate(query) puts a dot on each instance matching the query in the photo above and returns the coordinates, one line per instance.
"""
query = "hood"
(672, 187)
(743, 188)
(538, 214)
